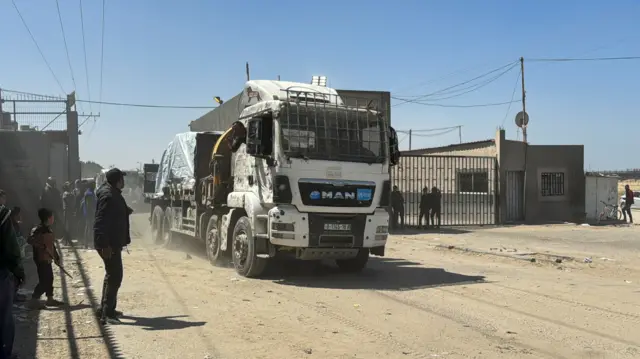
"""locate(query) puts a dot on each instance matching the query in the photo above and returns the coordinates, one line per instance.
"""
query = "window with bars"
(474, 181)
(552, 184)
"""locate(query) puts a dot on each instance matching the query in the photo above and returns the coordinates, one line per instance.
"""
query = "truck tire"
(243, 250)
(168, 238)
(212, 242)
(157, 223)
(355, 264)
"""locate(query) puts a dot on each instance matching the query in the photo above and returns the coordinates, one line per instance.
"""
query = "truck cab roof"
(256, 91)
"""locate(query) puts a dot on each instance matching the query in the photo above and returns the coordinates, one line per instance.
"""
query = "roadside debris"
(588, 260)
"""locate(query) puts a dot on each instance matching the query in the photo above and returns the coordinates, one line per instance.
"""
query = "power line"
(404, 101)
(436, 134)
(513, 94)
(101, 55)
(66, 48)
(84, 47)
(37, 46)
(622, 58)
(146, 105)
(472, 88)
(463, 106)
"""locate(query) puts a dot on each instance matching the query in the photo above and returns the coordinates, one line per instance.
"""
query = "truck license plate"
(337, 226)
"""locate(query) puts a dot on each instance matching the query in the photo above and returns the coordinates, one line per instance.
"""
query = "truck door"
(150, 173)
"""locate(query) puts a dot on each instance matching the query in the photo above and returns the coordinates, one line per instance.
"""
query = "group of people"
(108, 226)
(430, 207)
(76, 204)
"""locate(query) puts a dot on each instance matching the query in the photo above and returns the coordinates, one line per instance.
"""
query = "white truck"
(299, 173)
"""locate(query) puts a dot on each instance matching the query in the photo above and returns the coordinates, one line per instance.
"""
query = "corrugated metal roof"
(453, 147)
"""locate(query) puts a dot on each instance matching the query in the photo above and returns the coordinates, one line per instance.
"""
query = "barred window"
(552, 184)
(473, 181)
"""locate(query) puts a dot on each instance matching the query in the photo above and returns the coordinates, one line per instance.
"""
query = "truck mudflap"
(377, 251)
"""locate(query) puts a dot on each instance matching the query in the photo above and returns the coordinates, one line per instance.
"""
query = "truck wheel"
(157, 221)
(355, 264)
(245, 259)
(168, 235)
(212, 241)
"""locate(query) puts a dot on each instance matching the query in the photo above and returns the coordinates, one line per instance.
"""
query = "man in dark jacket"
(11, 275)
(397, 207)
(51, 198)
(436, 199)
(110, 236)
(628, 201)
(425, 207)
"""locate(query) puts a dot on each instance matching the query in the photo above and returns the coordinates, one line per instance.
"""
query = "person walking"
(78, 196)
(11, 276)
(397, 208)
(628, 201)
(110, 236)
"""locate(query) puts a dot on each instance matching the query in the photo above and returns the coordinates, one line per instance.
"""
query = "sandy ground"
(449, 294)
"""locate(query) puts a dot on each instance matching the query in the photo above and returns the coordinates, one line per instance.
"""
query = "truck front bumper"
(289, 227)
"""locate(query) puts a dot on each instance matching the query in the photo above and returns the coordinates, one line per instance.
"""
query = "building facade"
(496, 181)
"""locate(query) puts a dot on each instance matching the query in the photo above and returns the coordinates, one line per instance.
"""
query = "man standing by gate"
(110, 235)
(628, 201)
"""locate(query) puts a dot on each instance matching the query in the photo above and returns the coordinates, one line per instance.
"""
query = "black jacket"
(111, 226)
(10, 257)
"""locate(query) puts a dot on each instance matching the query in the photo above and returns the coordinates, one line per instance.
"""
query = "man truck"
(300, 172)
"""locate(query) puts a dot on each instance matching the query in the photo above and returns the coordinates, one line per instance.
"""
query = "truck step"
(262, 216)
(262, 236)
(265, 256)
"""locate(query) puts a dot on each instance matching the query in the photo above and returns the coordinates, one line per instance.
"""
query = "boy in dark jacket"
(42, 239)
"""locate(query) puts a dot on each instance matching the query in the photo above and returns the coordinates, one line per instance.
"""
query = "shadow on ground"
(160, 323)
(380, 274)
(26, 340)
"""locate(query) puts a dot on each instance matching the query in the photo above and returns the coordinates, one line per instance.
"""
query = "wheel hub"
(240, 247)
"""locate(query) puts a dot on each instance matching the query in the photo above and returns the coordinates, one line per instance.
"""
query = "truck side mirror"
(150, 171)
(394, 151)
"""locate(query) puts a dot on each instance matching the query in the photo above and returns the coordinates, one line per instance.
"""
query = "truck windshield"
(334, 134)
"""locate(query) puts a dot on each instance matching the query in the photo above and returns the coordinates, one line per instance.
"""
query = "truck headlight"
(382, 229)
(283, 227)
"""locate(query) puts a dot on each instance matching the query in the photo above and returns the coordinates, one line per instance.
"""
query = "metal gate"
(467, 185)
(515, 196)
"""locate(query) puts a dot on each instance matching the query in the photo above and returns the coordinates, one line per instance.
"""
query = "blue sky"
(170, 52)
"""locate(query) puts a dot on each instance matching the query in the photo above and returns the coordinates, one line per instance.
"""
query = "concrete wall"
(24, 168)
(599, 189)
(535, 160)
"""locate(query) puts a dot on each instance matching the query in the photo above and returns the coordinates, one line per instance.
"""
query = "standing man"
(425, 207)
(11, 276)
(78, 195)
(436, 199)
(628, 201)
(51, 198)
(68, 204)
(89, 212)
(110, 235)
(397, 206)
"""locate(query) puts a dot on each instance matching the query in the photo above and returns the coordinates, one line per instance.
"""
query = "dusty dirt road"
(429, 298)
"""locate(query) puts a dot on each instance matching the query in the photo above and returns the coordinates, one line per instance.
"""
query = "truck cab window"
(260, 136)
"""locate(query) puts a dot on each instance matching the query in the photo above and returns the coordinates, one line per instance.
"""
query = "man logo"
(314, 195)
(338, 195)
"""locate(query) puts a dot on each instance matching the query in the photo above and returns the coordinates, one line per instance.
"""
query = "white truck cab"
(310, 176)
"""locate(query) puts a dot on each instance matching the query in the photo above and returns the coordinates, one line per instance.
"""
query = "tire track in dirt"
(449, 315)
(540, 318)
(407, 350)
(635, 317)
(213, 352)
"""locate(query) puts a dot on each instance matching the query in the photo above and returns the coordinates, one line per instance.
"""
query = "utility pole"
(524, 101)
(409, 140)
(247, 70)
(460, 133)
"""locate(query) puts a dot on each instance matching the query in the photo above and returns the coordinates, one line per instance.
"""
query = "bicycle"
(610, 212)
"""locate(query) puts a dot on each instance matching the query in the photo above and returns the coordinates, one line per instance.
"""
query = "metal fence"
(467, 184)
(32, 112)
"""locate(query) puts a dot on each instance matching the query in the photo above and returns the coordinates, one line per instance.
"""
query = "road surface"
(451, 294)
